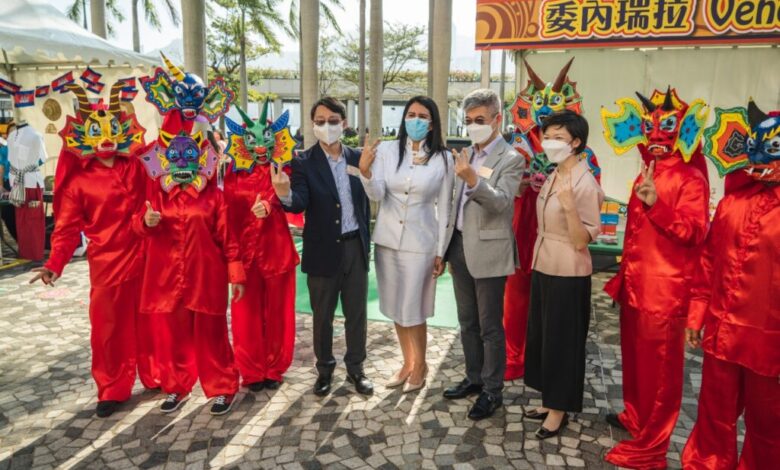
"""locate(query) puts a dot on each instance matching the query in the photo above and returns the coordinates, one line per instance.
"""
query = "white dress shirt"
(25, 148)
(414, 198)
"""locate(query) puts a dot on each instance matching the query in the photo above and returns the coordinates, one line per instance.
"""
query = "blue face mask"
(417, 128)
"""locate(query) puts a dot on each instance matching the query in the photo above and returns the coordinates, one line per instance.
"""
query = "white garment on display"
(26, 148)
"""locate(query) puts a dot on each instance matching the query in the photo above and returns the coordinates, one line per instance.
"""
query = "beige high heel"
(397, 380)
(410, 387)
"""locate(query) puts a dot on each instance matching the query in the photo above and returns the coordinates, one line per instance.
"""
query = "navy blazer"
(314, 191)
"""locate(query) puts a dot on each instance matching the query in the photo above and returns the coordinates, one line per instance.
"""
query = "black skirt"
(558, 319)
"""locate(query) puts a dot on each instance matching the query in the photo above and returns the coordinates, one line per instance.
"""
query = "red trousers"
(516, 298)
(728, 390)
(121, 341)
(653, 354)
(263, 324)
(30, 226)
(190, 346)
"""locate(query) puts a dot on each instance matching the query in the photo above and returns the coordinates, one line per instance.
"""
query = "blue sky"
(464, 56)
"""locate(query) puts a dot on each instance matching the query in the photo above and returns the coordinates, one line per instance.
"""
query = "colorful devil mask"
(180, 159)
(660, 126)
(187, 93)
(101, 131)
(258, 141)
(745, 138)
(539, 99)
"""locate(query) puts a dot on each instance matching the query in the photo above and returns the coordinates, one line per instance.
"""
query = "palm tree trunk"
(84, 12)
(362, 81)
(243, 82)
(375, 72)
(442, 43)
(431, 9)
(310, 33)
(97, 9)
(193, 14)
(136, 32)
(484, 74)
(502, 86)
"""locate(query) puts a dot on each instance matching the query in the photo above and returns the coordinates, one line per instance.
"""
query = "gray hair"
(482, 97)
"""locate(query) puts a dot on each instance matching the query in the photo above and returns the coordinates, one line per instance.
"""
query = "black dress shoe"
(257, 386)
(535, 415)
(614, 421)
(362, 384)
(544, 433)
(486, 405)
(272, 384)
(462, 390)
(106, 408)
(322, 386)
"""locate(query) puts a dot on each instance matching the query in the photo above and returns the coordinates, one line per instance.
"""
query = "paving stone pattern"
(47, 401)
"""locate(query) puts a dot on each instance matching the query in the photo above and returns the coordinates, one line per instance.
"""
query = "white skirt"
(406, 285)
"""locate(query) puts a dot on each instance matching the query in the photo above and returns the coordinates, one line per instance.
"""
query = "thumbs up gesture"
(259, 209)
(152, 217)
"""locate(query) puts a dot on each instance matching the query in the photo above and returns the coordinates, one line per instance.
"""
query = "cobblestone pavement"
(47, 400)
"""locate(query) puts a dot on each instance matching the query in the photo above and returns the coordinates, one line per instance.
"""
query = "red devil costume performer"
(263, 320)
(190, 259)
(667, 222)
(735, 299)
(537, 101)
(99, 187)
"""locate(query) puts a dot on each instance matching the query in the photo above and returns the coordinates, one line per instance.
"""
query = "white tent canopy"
(32, 33)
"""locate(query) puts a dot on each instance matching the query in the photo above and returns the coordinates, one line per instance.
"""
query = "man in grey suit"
(481, 249)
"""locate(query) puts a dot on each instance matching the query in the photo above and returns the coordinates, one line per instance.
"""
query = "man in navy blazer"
(326, 186)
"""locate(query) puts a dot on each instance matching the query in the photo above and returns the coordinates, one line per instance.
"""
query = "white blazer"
(414, 199)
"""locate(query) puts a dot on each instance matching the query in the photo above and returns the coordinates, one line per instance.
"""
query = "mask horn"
(649, 106)
(668, 103)
(113, 100)
(247, 120)
(85, 108)
(264, 115)
(561, 79)
(535, 80)
(755, 115)
(176, 71)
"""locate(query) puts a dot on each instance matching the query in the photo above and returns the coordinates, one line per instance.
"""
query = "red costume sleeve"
(230, 245)
(684, 220)
(701, 288)
(67, 232)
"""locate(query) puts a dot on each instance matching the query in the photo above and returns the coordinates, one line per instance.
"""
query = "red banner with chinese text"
(540, 24)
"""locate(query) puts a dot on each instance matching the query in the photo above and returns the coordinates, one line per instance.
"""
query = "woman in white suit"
(412, 179)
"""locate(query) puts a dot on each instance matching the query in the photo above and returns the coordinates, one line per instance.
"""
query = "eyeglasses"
(480, 121)
(331, 121)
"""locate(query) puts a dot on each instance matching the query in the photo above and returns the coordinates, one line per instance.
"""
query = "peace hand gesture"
(565, 193)
(645, 190)
(463, 168)
(367, 157)
(280, 180)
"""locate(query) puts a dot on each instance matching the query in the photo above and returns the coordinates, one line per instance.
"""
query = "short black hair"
(575, 125)
(331, 103)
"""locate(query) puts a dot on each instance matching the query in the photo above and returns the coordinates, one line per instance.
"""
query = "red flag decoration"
(9, 87)
(41, 91)
(90, 76)
(129, 91)
(58, 84)
(25, 98)
(96, 87)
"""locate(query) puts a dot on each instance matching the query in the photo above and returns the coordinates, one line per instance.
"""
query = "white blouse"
(414, 198)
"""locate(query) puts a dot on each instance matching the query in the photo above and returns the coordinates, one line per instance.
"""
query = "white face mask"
(479, 133)
(556, 151)
(328, 133)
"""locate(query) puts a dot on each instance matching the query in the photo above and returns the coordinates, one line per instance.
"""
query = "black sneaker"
(272, 384)
(222, 404)
(257, 386)
(106, 408)
(173, 402)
